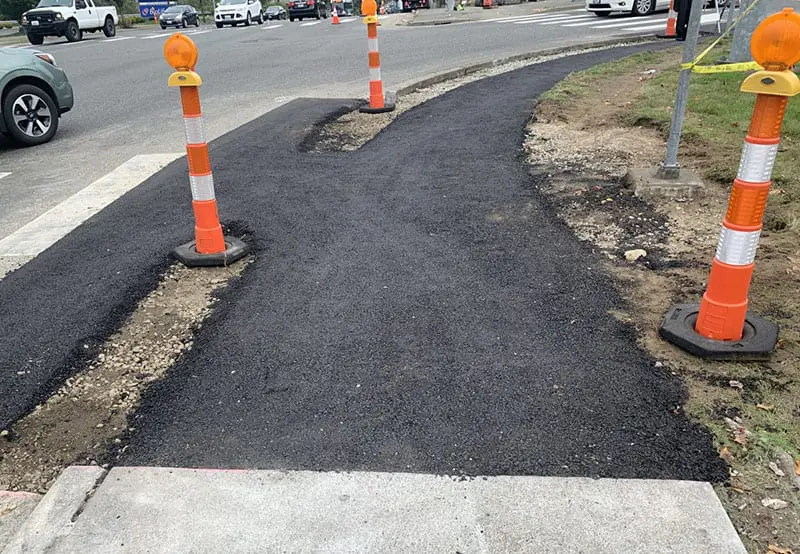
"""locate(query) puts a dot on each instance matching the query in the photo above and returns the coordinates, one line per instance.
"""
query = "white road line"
(643, 28)
(596, 20)
(163, 35)
(561, 19)
(44, 231)
(270, 27)
(194, 33)
(540, 17)
(117, 39)
(310, 24)
(4, 174)
(632, 23)
(704, 19)
(521, 17)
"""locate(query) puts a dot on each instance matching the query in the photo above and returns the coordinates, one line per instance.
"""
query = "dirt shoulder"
(581, 140)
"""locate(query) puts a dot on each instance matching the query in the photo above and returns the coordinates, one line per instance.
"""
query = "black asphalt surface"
(413, 306)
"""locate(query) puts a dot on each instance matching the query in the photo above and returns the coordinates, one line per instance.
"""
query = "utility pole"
(670, 169)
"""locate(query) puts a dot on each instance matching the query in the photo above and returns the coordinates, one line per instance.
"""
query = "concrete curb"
(57, 511)
(474, 68)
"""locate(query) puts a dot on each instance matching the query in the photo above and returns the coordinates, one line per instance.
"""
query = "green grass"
(717, 118)
(582, 83)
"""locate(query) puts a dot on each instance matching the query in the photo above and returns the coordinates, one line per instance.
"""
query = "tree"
(13, 9)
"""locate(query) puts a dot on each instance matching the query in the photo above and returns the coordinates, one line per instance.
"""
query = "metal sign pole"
(670, 169)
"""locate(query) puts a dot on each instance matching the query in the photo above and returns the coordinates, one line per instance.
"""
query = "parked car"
(68, 18)
(233, 12)
(604, 8)
(179, 16)
(275, 12)
(298, 9)
(35, 92)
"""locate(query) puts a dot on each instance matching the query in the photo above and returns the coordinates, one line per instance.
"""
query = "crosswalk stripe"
(642, 28)
(545, 15)
(595, 21)
(561, 21)
(631, 23)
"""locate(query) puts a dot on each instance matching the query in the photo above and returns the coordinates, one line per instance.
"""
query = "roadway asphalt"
(413, 306)
(124, 108)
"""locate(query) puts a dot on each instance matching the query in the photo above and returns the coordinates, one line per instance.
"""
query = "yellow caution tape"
(724, 68)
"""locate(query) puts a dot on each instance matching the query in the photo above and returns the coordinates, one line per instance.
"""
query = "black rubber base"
(662, 35)
(188, 255)
(757, 343)
(366, 109)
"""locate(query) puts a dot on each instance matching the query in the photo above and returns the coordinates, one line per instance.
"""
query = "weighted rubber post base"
(757, 343)
(386, 108)
(188, 255)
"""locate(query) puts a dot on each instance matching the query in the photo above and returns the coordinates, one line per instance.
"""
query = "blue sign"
(150, 10)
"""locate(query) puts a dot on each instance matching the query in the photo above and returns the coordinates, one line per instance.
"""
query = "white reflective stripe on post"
(373, 44)
(757, 162)
(374, 73)
(195, 131)
(202, 187)
(737, 247)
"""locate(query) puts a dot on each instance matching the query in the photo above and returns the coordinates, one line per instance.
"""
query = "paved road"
(124, 107)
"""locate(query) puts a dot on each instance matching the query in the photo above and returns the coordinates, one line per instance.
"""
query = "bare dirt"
(88, 416)
(581, 150)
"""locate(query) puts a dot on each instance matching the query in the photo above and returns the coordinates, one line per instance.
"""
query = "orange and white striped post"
(672, 22)
(377, 103)
(722, 327)
(210, 247)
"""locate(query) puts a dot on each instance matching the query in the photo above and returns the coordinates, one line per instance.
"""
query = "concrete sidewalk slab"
(189, 510)
(15, 507)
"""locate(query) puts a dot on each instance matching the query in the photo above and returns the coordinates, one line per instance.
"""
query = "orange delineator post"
(207, 231)
(724, 305)
(375, 81)
(210, 247)
(377, 104)
(721, 327)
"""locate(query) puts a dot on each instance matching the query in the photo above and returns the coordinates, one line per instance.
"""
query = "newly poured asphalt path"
(413, 306)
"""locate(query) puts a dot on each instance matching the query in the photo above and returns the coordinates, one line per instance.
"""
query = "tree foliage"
(13, 9)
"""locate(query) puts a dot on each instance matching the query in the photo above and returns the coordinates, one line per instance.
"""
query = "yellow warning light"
(369, 7)
(775, 43)
(180, 52)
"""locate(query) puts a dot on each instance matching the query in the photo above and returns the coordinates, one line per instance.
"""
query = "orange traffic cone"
(487, 3)
(672, 20)
(335, 16)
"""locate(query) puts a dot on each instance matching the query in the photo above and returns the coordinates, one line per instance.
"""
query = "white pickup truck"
(68, 18)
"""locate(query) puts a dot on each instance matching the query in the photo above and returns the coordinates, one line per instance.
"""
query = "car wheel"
(73, 33)
(196, 21)
(109, 29)
(316, 16)
(643, 7)
(36, 39)
(30, 115)
(219, 25)
(260, 18)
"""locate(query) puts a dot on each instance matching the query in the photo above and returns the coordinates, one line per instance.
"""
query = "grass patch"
(582, 83)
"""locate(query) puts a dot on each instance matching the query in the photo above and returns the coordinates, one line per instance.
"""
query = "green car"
(35, 92)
